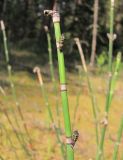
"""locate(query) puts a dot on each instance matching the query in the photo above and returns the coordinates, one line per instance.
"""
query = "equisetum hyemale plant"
(52, 73)
(111, 84)
(38, 72)
(118, 141)
(111, 35)
(9, 69)
(50, 53)
(93, 99)
(59, 43)
(104, 122)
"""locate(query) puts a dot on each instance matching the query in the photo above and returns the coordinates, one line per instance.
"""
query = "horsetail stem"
(111, 87)
(50, 53)
(111, 35)
(52, 73)
(93, 99)
(111, 84)
(9, 68)
(119, 136)
(39, 76)
(59, 43)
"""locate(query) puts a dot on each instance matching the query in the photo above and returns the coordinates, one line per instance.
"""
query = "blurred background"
(89, 20)
(25, 22)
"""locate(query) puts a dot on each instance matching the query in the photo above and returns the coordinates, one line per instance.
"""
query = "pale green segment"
(63, 81)
(65, 111)
(111, 87)
(117, 144)
(111, 36)
(60, 54)
(70, 151)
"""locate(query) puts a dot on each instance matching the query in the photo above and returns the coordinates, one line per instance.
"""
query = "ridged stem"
(37, 71)
(62, 75)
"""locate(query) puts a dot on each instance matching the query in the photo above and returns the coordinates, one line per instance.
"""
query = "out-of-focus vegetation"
(25, 22)
(27, 130)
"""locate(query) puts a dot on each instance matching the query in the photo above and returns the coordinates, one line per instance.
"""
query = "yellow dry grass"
(44, 142)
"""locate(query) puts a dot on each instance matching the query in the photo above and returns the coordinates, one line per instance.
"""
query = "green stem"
(9, 69)
(64, 96)
(93, 99)
(116, 147)
(52, 73)
(111, 87)
(111, 36)
(37, 70)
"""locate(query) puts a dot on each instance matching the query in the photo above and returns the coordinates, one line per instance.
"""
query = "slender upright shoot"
(53, 73)
(37, 71)
(111, 35)
(59, 39)
(93, 99)
(9, 69)
(117, 144)
(95, 28)
(111, 87)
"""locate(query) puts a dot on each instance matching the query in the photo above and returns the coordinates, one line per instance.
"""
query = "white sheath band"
(69, 140)
(56, 16)
(63, 87)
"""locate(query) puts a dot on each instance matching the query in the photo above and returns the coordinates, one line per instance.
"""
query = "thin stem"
(52, 73)
(62, 75)
(111, 87)
(111, 36)
(9, 69)
(37, 71)
(93, 99)
(94, 38)
(119, 136)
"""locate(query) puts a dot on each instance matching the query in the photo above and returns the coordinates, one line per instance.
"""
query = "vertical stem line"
(119, 136)
(37, 70)
(93, 99)
(9, 69)
(111, 34)
(64, 96)
(52, 73)
(111, 87)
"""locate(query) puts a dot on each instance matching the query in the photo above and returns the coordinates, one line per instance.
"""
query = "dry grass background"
(36, 117)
